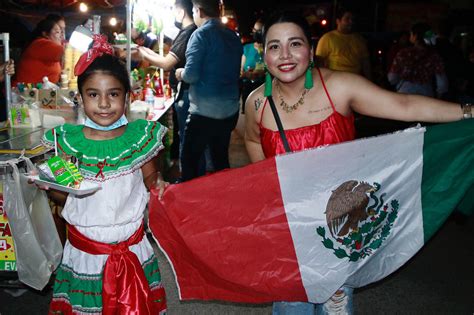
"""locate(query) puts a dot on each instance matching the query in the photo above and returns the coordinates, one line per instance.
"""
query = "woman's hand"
(7, 68)
(146, 51)
(140, 53)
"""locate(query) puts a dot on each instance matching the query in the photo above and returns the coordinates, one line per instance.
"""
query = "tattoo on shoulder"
(258, 103)
(317, 111)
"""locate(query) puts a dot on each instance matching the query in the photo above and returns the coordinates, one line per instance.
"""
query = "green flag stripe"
(448, 172)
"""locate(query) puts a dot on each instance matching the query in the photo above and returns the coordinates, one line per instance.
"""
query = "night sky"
(371, 15)
(248, 11)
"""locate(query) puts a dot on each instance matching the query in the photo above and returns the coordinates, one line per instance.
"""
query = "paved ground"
(438, 280)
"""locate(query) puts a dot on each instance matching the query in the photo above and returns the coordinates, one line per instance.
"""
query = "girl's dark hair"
(107, 64)
(287, 17)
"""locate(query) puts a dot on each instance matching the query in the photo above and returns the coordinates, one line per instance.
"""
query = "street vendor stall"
(152, 95)
(29, 244)
(30, 248)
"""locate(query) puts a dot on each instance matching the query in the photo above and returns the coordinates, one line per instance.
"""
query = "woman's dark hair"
(107, 64)
(55, 17)
(45, 25)
(419, 30)
(287, 17)
(209, 7)
(186, 5)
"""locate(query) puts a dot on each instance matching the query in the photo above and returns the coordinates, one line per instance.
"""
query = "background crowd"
(421, 60)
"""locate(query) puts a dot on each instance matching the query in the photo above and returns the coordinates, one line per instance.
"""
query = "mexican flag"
(299, 226)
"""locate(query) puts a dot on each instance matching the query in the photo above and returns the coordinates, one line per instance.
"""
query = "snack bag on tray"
(61, 171)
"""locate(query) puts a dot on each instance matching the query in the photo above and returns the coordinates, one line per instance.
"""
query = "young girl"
(108, 264)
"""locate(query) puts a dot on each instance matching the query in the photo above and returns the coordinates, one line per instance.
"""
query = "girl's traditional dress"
(107, 226)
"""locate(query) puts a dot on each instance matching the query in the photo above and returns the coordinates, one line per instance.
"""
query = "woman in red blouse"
(42, 57)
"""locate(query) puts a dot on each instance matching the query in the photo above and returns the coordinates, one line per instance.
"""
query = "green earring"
(308, 82)
(268, 83)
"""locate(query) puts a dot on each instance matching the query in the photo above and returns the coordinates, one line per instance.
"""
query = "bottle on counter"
(158, 87)
(149, 97)
(48, 85)
(146, 86)
(168, 92)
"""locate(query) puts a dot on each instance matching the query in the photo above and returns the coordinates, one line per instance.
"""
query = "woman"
(319, 113)
(42, 57)
(415, 68)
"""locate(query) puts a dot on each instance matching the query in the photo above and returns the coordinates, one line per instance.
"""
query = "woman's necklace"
(289, 108)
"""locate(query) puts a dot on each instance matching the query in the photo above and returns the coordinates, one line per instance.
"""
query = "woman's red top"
(41, 58)
(335, 128)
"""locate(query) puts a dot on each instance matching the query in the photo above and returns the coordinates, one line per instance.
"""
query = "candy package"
(60, 171)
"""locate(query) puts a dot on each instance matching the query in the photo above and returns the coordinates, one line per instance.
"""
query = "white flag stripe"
(395, 162)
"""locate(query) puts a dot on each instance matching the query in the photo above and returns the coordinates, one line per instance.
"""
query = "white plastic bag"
(38, 248)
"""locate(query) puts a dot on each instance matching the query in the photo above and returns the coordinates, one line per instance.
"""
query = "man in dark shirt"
(175, 59)
(212, 69)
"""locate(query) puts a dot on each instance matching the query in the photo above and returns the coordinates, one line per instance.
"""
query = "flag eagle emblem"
(359, 227)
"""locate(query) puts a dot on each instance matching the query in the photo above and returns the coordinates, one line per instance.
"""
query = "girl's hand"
(30, 181)
(59, 197)
(161, 185)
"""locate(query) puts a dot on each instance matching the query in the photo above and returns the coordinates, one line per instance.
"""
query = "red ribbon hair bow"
(100, 46)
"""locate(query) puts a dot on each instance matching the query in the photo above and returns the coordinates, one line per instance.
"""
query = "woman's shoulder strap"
(325, 89)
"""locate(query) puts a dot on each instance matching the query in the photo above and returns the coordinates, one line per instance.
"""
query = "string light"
(225, 19)
(113, 21)
(83, 7)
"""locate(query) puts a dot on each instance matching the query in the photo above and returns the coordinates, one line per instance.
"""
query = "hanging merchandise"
(7, 246)
(37, 246)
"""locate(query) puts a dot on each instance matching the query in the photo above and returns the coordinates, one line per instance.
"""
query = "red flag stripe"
(189, 228)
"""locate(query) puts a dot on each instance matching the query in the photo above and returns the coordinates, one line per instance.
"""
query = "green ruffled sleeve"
(141, 142)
